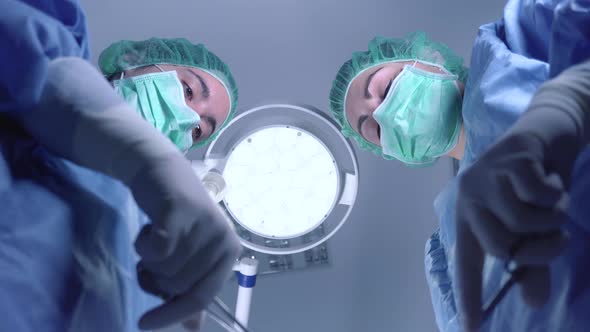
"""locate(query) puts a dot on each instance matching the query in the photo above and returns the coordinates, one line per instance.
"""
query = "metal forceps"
(234, 325)
(515, 274)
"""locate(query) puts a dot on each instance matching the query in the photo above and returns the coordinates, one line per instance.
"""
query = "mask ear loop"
(160, 68)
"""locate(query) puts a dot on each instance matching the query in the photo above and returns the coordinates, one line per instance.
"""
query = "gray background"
(289, 51)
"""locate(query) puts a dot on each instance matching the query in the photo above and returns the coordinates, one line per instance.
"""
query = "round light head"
(282, 182)
(291, 177)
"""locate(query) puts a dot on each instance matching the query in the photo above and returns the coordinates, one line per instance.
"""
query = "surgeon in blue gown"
(532, 43)
(533, 210)
(89, 190)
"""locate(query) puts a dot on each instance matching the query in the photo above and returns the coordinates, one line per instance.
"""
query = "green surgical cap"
(415, 46)
(125, 54)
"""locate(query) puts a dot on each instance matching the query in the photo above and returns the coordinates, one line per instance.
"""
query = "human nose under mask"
(159, 98)
(420, 117)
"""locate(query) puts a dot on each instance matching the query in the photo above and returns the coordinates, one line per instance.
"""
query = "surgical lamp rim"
(331, 123)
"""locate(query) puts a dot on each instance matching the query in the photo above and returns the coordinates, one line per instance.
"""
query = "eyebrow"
(359, 125)
(204, 86)
(212, 122)
(369, 79)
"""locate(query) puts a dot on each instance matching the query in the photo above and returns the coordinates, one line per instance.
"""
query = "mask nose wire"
(198, 127)
(123, 72)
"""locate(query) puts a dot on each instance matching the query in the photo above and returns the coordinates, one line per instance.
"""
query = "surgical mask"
(420, 117)
(159, 98)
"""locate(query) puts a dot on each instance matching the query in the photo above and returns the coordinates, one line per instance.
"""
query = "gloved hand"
(189, 248)
(511, 202)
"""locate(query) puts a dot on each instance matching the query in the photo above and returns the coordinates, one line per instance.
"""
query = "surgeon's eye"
(197, 132)
(387, 89)
(188, 92)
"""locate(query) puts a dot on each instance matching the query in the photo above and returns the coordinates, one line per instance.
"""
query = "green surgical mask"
(159, 98)
(420, 117)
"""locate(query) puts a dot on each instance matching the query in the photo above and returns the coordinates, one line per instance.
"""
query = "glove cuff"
(120, 143)
(82, 119)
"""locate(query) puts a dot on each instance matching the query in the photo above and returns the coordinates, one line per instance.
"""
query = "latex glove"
(188, 250)
(511, 202)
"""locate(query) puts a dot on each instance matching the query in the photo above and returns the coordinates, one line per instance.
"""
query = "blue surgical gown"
(67, 261)
(533, 42)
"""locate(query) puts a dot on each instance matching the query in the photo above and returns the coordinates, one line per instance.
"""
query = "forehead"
(355, 93)
(219, 93)
(361, 77)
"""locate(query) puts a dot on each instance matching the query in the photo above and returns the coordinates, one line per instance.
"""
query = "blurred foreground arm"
(188, 250)
(511, 201)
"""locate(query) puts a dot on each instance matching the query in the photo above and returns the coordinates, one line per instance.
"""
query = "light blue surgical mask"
(420, 117)
(159, 98)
